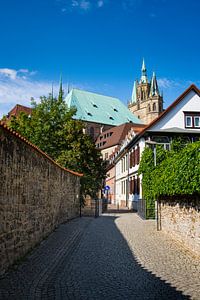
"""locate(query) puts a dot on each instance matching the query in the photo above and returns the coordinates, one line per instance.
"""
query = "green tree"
(46, 126)
(81, 155)
(52, 129)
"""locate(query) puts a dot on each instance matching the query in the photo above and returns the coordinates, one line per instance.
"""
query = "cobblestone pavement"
(116, 256)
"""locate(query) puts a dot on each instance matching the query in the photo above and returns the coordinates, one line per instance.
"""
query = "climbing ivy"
(177, 172)
(147, 168)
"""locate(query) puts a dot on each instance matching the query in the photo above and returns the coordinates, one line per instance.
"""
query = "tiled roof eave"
(16, 134)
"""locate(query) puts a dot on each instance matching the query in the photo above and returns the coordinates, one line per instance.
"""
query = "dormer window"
(192, 120)
(115, 109)
(188, 121)
(196, 121)
(89, 114)
(111, 118)
(94, 105)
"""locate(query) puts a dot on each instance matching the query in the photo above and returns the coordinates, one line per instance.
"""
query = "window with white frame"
(192, 119)
(188, 121)
(197, 121)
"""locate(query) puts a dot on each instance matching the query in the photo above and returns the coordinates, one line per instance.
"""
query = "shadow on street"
(85, 259)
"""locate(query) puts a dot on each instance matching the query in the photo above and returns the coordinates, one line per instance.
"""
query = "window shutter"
(138, 185)
(133, 153)
(138, 154)
(131, 160)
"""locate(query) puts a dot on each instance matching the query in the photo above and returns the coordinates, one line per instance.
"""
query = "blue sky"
(98, 45)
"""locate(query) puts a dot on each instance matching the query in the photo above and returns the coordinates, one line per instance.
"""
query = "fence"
(146, 210)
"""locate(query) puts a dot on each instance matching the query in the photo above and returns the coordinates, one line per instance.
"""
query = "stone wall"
(180, 217)
(35, 196)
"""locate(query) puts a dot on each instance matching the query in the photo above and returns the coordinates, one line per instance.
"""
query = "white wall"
(175, 118)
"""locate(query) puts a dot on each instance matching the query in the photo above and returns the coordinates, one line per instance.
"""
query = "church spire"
(144, 73)
(60, 94)
(52, 91)
(154, 91)
(134, 93)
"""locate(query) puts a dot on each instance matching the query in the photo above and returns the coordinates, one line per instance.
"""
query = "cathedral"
(146, 101)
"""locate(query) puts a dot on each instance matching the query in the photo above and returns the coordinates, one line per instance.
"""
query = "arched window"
(154, 106)
(149, 108)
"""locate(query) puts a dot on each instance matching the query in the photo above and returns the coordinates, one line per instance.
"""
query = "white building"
(181, 118)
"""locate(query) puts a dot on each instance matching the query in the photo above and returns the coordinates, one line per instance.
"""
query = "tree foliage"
(53, 130)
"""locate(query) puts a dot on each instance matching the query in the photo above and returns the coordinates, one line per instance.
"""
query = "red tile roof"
(16, 134)
(115, 135)
(179, 99)
(17, 109)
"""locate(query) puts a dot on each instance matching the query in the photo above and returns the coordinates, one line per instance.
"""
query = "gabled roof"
(115, 135)
(15, 111)
(92, 107)
(174, 104)
(165, 112)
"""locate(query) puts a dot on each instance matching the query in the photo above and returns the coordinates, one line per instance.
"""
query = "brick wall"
(35, 196)
(180, 217)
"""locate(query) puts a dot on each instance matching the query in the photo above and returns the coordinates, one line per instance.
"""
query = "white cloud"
(9, 73)
(85, 5)
(17, 88)
(168, 83)
(74, 3)
(15, 74)
(82, 5)
(100, 3)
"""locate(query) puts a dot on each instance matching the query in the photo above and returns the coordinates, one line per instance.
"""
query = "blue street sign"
(107, 188)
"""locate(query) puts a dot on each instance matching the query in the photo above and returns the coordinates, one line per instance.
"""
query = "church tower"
(146, 101)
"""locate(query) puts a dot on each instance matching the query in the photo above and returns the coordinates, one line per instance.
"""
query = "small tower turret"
(154, 91)
(146, 102)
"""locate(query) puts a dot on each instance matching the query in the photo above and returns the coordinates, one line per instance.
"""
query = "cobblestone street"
(116, 256)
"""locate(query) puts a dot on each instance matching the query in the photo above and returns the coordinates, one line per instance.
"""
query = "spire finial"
(143, 66)
(52, 91)
(60, 94)
(144, 73)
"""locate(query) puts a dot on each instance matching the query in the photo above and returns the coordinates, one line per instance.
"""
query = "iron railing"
(146, 210)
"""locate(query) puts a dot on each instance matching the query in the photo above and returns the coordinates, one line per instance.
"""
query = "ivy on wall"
(177, 172)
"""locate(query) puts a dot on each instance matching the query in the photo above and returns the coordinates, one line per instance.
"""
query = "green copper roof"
(134, 93)
(99, 108)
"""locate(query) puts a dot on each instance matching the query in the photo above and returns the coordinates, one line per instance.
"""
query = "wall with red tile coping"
(36, 195)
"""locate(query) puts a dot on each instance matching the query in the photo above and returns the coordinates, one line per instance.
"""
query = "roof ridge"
(95, 93)
(174, 103)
